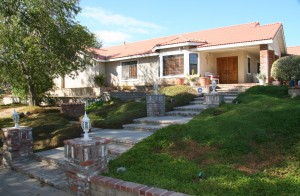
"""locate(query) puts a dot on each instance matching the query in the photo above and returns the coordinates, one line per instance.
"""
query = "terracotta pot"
(276, 83)
(179, 81)
(204, 81)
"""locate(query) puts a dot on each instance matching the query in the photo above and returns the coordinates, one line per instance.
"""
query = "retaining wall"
(103, 185)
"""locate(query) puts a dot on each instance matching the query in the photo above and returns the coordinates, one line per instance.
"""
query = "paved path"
(121, 134)
(15, 184)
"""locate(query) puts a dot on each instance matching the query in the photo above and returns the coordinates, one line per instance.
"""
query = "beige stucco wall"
(147, 72)
(83, 79)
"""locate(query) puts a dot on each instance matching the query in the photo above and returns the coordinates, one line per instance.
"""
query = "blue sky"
(116, 21)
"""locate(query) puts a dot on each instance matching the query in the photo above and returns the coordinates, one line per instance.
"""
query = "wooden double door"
(227, 68)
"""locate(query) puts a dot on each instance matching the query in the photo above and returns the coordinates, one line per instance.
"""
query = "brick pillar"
(84, 159)
(155, 105)
(17, 144)
(267, 57)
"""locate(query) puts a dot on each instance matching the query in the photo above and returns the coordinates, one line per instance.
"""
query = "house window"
(258, 67)
(249, 65)
(193, 59)
(173, 65)
(129, 70)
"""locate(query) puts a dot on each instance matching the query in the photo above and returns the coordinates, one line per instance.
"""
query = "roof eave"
(128, 57)
(235, 45)
(155, 48)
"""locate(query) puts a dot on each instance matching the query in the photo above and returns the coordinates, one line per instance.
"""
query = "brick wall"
(103, 185)
(267, 57)
(128, 95)
(85, 158)
(294, 91)
(73, 109)
(17, 143)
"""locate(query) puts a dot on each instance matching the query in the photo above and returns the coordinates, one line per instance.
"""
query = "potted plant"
(179, 81)
(261, 78)
(192, 78)
(193, 81)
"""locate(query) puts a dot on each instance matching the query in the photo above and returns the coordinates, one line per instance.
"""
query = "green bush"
(286, 68)
(177, 95)
(100, 80)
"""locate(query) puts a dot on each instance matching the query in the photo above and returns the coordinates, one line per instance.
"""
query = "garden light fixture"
(86, 125)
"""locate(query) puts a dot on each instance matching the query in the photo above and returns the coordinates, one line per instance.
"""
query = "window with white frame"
(258, 67)
(193, 59)
(129, 70)
(173, 65)
(249, 65)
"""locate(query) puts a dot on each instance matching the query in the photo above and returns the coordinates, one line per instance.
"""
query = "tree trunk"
(32, 94)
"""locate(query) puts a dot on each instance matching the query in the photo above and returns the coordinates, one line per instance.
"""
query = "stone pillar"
(17, 144)
(267, 57)
(213, 98)
(84, 159)
(155, 105)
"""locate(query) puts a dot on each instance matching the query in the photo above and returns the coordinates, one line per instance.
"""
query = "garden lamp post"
(16, 118)
(86, 125)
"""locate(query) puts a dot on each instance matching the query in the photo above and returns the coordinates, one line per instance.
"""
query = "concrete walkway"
(15, 184)
(121, 135)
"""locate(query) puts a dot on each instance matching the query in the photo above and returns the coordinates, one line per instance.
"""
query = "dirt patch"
(6, 113)
(265, 156)
(192, 150)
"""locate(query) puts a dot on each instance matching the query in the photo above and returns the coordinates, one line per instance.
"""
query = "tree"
(40, 40)
(286, 68)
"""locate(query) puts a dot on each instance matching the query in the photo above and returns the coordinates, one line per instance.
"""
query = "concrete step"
(233, 92)
(49, 174)
(230, 97)
(144, 127)
(194, 108)
(183, 113)
(197, 102)
(162, 120)
(54, 157)
(199, 99)
(116, 149)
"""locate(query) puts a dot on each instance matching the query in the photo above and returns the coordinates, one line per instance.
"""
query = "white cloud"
(107, 18)
(114, 28)
(112, 37)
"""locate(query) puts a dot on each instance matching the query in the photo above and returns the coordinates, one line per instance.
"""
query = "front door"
(228, 69)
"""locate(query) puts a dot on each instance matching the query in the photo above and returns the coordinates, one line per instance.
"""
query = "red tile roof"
(295, 50)
(250, 32)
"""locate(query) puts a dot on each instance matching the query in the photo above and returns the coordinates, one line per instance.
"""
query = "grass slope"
(251, 148)
(50, 128)
(115, 113)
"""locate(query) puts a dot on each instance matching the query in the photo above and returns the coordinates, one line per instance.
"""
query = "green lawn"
(250, 148)
(50, 127)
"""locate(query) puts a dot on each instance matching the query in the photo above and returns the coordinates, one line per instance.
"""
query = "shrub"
(286, 68)
(100, 80)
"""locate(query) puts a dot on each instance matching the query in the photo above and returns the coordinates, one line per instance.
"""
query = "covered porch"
(238, 65)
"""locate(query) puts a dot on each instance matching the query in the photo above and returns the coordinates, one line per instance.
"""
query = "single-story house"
(294, 50)
(234, 53)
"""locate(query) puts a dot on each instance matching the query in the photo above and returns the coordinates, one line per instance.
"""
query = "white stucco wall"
(83, 79)
(147, 72)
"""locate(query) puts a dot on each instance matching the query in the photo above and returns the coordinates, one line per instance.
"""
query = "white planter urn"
(261, 81)
(192, 83)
